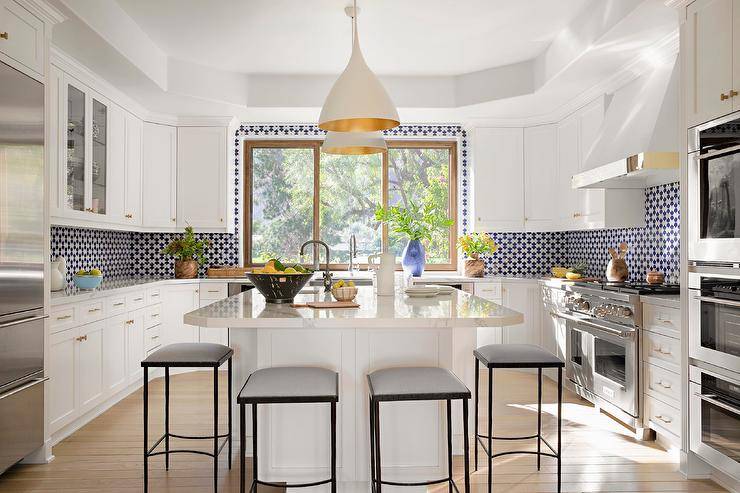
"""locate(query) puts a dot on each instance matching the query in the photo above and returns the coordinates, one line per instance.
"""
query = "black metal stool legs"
(449, 444)
(231, 411)
(254, 449)
(475, 425)
(242, 445)
(560, 423)
(466, 446)
(215, 429)
(490, 430)
(166, 418)
(333, 447)
(146, 430)
(539, 416)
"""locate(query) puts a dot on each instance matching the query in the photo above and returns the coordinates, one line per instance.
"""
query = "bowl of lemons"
(344, 291)
(88, 279)
(279, 283)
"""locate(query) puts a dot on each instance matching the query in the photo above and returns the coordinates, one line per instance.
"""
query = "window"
(295, 193)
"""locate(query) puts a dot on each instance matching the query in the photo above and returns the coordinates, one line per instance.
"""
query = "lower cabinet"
(134, 345)
(522, 296)
(114, 360)
(90, 364)
(178, 300)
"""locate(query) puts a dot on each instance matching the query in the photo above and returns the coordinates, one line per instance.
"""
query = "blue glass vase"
(413, 259)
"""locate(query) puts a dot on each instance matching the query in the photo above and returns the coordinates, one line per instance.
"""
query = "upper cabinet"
(160, 176)
(21, 38)
(202, 177)
(498, 178)
(540, 174)
(712, 58)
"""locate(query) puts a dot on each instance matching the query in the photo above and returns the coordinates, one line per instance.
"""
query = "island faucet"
(352, 252)
(327, 274)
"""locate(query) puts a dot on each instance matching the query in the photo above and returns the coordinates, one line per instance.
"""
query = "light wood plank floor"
(599, 455)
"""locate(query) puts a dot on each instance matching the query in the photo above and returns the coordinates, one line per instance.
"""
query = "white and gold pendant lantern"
(358, 102)
(354, 143)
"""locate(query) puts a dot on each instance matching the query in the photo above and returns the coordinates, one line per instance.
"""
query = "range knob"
(584, 306)
(625, 312)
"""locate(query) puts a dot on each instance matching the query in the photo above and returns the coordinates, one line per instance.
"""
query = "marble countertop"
(458, 309)
(110, 287)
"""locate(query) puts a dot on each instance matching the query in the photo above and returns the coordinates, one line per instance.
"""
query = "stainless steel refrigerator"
(21, 265)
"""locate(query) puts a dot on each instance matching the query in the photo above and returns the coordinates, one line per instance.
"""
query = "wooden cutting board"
(319, 305)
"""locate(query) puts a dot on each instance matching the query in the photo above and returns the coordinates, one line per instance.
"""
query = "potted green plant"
(418, 223)
(473, 245)
(189, 253)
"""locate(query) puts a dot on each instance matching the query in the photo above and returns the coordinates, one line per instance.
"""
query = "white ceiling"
(426, 37)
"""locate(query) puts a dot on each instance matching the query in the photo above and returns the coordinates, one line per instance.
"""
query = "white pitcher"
(58, 274)
(384, 265)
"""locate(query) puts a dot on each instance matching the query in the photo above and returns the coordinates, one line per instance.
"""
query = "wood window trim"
(248, 145)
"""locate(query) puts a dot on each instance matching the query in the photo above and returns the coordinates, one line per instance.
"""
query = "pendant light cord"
(354, 22)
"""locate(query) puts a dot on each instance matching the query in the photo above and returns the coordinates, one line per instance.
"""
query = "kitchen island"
(385, 331)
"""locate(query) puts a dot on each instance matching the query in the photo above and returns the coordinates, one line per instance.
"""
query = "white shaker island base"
(385, 331)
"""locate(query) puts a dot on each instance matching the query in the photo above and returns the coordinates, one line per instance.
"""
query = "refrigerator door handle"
(23, 321)
(32, 383)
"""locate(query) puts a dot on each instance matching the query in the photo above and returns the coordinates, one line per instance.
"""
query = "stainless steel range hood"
(637, 146)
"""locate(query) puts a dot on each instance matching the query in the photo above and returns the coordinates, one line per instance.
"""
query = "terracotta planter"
(186, 269)
(474, 267)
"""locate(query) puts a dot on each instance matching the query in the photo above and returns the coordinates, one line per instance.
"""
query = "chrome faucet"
(352, 252)
(327, 274)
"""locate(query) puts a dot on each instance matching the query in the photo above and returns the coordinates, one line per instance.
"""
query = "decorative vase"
(474, 266)
(186, 269)
(413, 258)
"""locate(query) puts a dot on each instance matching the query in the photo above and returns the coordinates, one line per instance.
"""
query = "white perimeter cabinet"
(113, 169)
(711, 52)
(522, 179)
(522, 295)
(96, 345)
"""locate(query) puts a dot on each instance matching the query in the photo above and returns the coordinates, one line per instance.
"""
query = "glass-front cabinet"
(85, 184)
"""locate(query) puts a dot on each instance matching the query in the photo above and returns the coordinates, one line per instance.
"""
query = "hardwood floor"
(599, 455)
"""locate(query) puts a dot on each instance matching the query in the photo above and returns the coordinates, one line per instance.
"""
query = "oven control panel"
(600, 308)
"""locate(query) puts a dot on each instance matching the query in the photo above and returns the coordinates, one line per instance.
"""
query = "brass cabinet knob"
(576, 214)
(723, 97)
(4, 35)
(173, 219)
(81, 338)
(129, 216)
(733, 93)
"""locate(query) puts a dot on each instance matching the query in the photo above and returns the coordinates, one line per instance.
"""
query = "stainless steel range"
(602, 345)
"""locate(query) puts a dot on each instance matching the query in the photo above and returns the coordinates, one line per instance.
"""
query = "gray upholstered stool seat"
(287, 385)
(290, 384)
(416, 384)
(189, 354)
(517, 356)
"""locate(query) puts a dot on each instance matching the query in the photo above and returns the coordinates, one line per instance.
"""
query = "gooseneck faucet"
(352, 252)
(327, 274)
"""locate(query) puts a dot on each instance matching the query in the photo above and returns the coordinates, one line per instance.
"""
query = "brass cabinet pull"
(173, 219)
(129, 322)
(213, 291)
(81, 338)
(64, 317)
(4, 35)
(733, 93)
(155, 315)
(155, 295)
(118, 304)
(576, 214)
(129, 216)
(93, 310)
(155, 337)
(723, 97)
(138, 299)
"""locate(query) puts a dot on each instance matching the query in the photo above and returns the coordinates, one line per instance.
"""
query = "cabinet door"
(498, 196)
(540, 174)
(133, 166)
(23, 41)
(117, 165)
(524, 297)
(201, 177)
(99, 157)
(159, 176)
(114, 354)
(89, 369)
(590, 202)
(179, 300)
(709, 59)
(215, 335)
(134, 345)
(76, 149)
(568, 164)
(62, 383)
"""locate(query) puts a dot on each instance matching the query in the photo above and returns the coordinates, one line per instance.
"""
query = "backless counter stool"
(287, 385)
(516, 356)
(416, 384)
(186, 355)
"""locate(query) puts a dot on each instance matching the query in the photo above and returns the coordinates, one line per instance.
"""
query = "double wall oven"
(714, 292)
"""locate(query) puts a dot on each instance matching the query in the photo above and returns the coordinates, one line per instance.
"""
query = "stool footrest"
(288, 485)
(417, 483)
(530, 437)
(479, 438)
(152, 453)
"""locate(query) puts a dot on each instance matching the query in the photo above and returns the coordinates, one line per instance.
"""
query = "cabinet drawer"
(214, 290)
(662, 351)
(490, 291)
(153, 295)
(663, 416)
(135, 300)
(116, 305)
(152, 338)
(92, 311)
(663, 384)
(62, 317)
(152, 316)
(662, 320)
(25, 36)
(152, 349)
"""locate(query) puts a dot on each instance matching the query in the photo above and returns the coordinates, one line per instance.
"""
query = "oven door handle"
(624, 334)
(718, 301)
(32, 383)
(719, 152)
(23, 321)
(712, 399)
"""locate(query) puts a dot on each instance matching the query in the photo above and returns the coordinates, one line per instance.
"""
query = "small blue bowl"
(87, 282)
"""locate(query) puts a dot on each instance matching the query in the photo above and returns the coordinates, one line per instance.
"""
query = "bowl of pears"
(88, 279)
(280, 283)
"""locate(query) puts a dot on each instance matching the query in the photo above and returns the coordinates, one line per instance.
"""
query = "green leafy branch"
(416, 222)
(188, 247)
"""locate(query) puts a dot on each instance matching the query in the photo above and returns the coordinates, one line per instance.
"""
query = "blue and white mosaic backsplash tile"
(526, 254)
(125, 254)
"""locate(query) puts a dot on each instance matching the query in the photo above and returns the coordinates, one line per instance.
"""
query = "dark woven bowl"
(279, 288)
